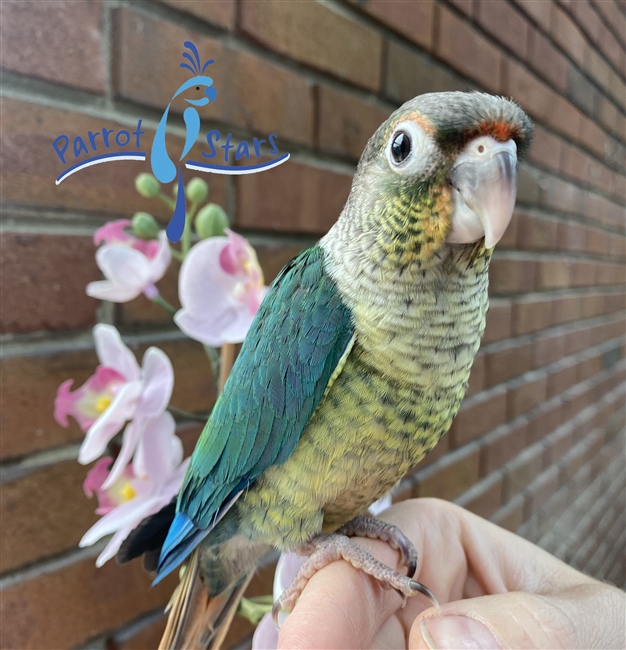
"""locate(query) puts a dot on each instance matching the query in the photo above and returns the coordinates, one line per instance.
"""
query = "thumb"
(584, 616)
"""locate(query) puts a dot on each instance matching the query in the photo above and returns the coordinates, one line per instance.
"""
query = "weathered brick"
(575, 163)
(345, 122)
(409, 74)
(572, 236)
(30, 385)
(216, 12)
(461, 46)
(484, 498)
(532, 94)
(561, 196)
(566, 33)
(567, 309)
(545, 149)
(511, 275)
(35, 611)
(527, 396)
(252, 93)
(507, 362)
(293, 198)
(478, 416)
(511, 516)
(557, 444)
(592, 136)
(535, 233)
(613, 17)
(43, 282)
(505, 24)
(544, 421)
(547, 60)
(564, 117)
(538, 10)
(450, 476)
(562, 379)
(414, 20)
(466, 6)
(531, 314)
(581, 91)
(59, 42)
(499, 321)
(348, 50)
(597, 68)
(540, 490)
(522, 470)
(30, 164)
(587, 19)
(553, 274)
(499, 446)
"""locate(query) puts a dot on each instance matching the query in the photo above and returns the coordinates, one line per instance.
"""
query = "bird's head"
(197, 91)
(442, 170)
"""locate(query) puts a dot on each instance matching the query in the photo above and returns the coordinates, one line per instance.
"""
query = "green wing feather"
(293, 349)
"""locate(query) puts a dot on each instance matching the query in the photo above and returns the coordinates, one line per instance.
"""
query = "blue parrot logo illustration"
(162, 166)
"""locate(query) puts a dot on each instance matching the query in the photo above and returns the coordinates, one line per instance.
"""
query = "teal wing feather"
(296, 341)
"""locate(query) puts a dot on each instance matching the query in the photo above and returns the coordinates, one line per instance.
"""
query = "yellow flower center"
(128, 492)
(103, 403)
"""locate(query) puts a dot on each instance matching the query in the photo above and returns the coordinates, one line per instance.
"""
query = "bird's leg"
(364, 526)
(330, 547)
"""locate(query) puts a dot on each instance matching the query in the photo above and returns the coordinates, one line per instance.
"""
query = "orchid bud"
(145, 226)
(147, 185)
(211, 221)
(197, 190)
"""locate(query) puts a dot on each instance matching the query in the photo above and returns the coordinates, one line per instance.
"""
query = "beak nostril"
(481, 148)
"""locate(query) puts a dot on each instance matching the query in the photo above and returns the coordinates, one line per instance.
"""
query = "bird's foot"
(330, 547)
(364, 526)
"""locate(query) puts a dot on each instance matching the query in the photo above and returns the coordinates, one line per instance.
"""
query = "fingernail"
(457, 633)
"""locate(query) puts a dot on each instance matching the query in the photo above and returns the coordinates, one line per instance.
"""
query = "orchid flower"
(143, 488)
(220, 288)
(266, 633)
(118, 391)
(130, 265)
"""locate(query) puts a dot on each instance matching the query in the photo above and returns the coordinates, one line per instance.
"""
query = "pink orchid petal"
(161, 258)
(109, 423)
(113, 232)
(154, 458)
(96, 476)
(130, 440)
(234, 253)
(123, 265)
(111, 549)
(113, 352)
(105, 290)
(149, 248)
(64, 403)
(266, 634)
(158, 383)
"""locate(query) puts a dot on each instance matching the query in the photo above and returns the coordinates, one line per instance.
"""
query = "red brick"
(530, 315)
(522, 471)
(600, 176)
(587, 19)
(566, 33)
(561, 196)
(217, 12)
(588, 368)
(534, 233)
(292, 198)
(462, 47)
(612, 50)
(501, 445)
(30, 165)
(598, 242)
(30, 385)
(592, 136)
(553, 274)
(345, 122)
(531, 93)
(347, 49)
(35, 611)
(609, 115)
(575, 164)
(43, 282)
(547, 61)
(597, 68)
(526, 397)
(450, 476)
(414, 20)
(617, 89)
(505, 24)
(499, 320)
(477, 417)
(507, 363)
(59, 42)
(573, 460)
(485, 497)
(572, 236)
(566, 310)
(564, 117)
(543, 423)
(582, 274)
(252, 93)
(557, 444)
(545, 149)
(466, 6)
(546, 349)
(509, 276)
(613, 17)
(541, 489)
(511, 516)
(538, 10)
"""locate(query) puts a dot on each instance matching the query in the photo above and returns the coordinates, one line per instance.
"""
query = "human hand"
(496, 590)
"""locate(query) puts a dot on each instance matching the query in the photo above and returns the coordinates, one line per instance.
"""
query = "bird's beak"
(486, 179)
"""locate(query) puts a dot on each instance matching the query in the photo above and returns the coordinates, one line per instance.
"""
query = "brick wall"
(538, 445)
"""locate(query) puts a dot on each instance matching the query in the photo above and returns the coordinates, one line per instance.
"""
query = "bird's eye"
(400, 147)
(197, 87)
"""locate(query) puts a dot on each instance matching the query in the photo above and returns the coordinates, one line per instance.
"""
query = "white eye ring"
(421, 149)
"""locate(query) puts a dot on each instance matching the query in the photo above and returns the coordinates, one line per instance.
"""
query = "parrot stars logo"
(163, 167)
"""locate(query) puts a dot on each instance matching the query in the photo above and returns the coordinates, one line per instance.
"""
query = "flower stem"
(186, 241)
(214, 360)
(167, 200)
(255, 608)
(227, 358)
(194, 417)
(177, 255)
(161, 302)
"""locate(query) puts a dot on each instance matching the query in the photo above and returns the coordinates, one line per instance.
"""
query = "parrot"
(353, 369)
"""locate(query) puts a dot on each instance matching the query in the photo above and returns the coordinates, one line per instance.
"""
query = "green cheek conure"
(353, 369)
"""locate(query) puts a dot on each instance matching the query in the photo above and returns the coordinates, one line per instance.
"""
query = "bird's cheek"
(438, 224)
